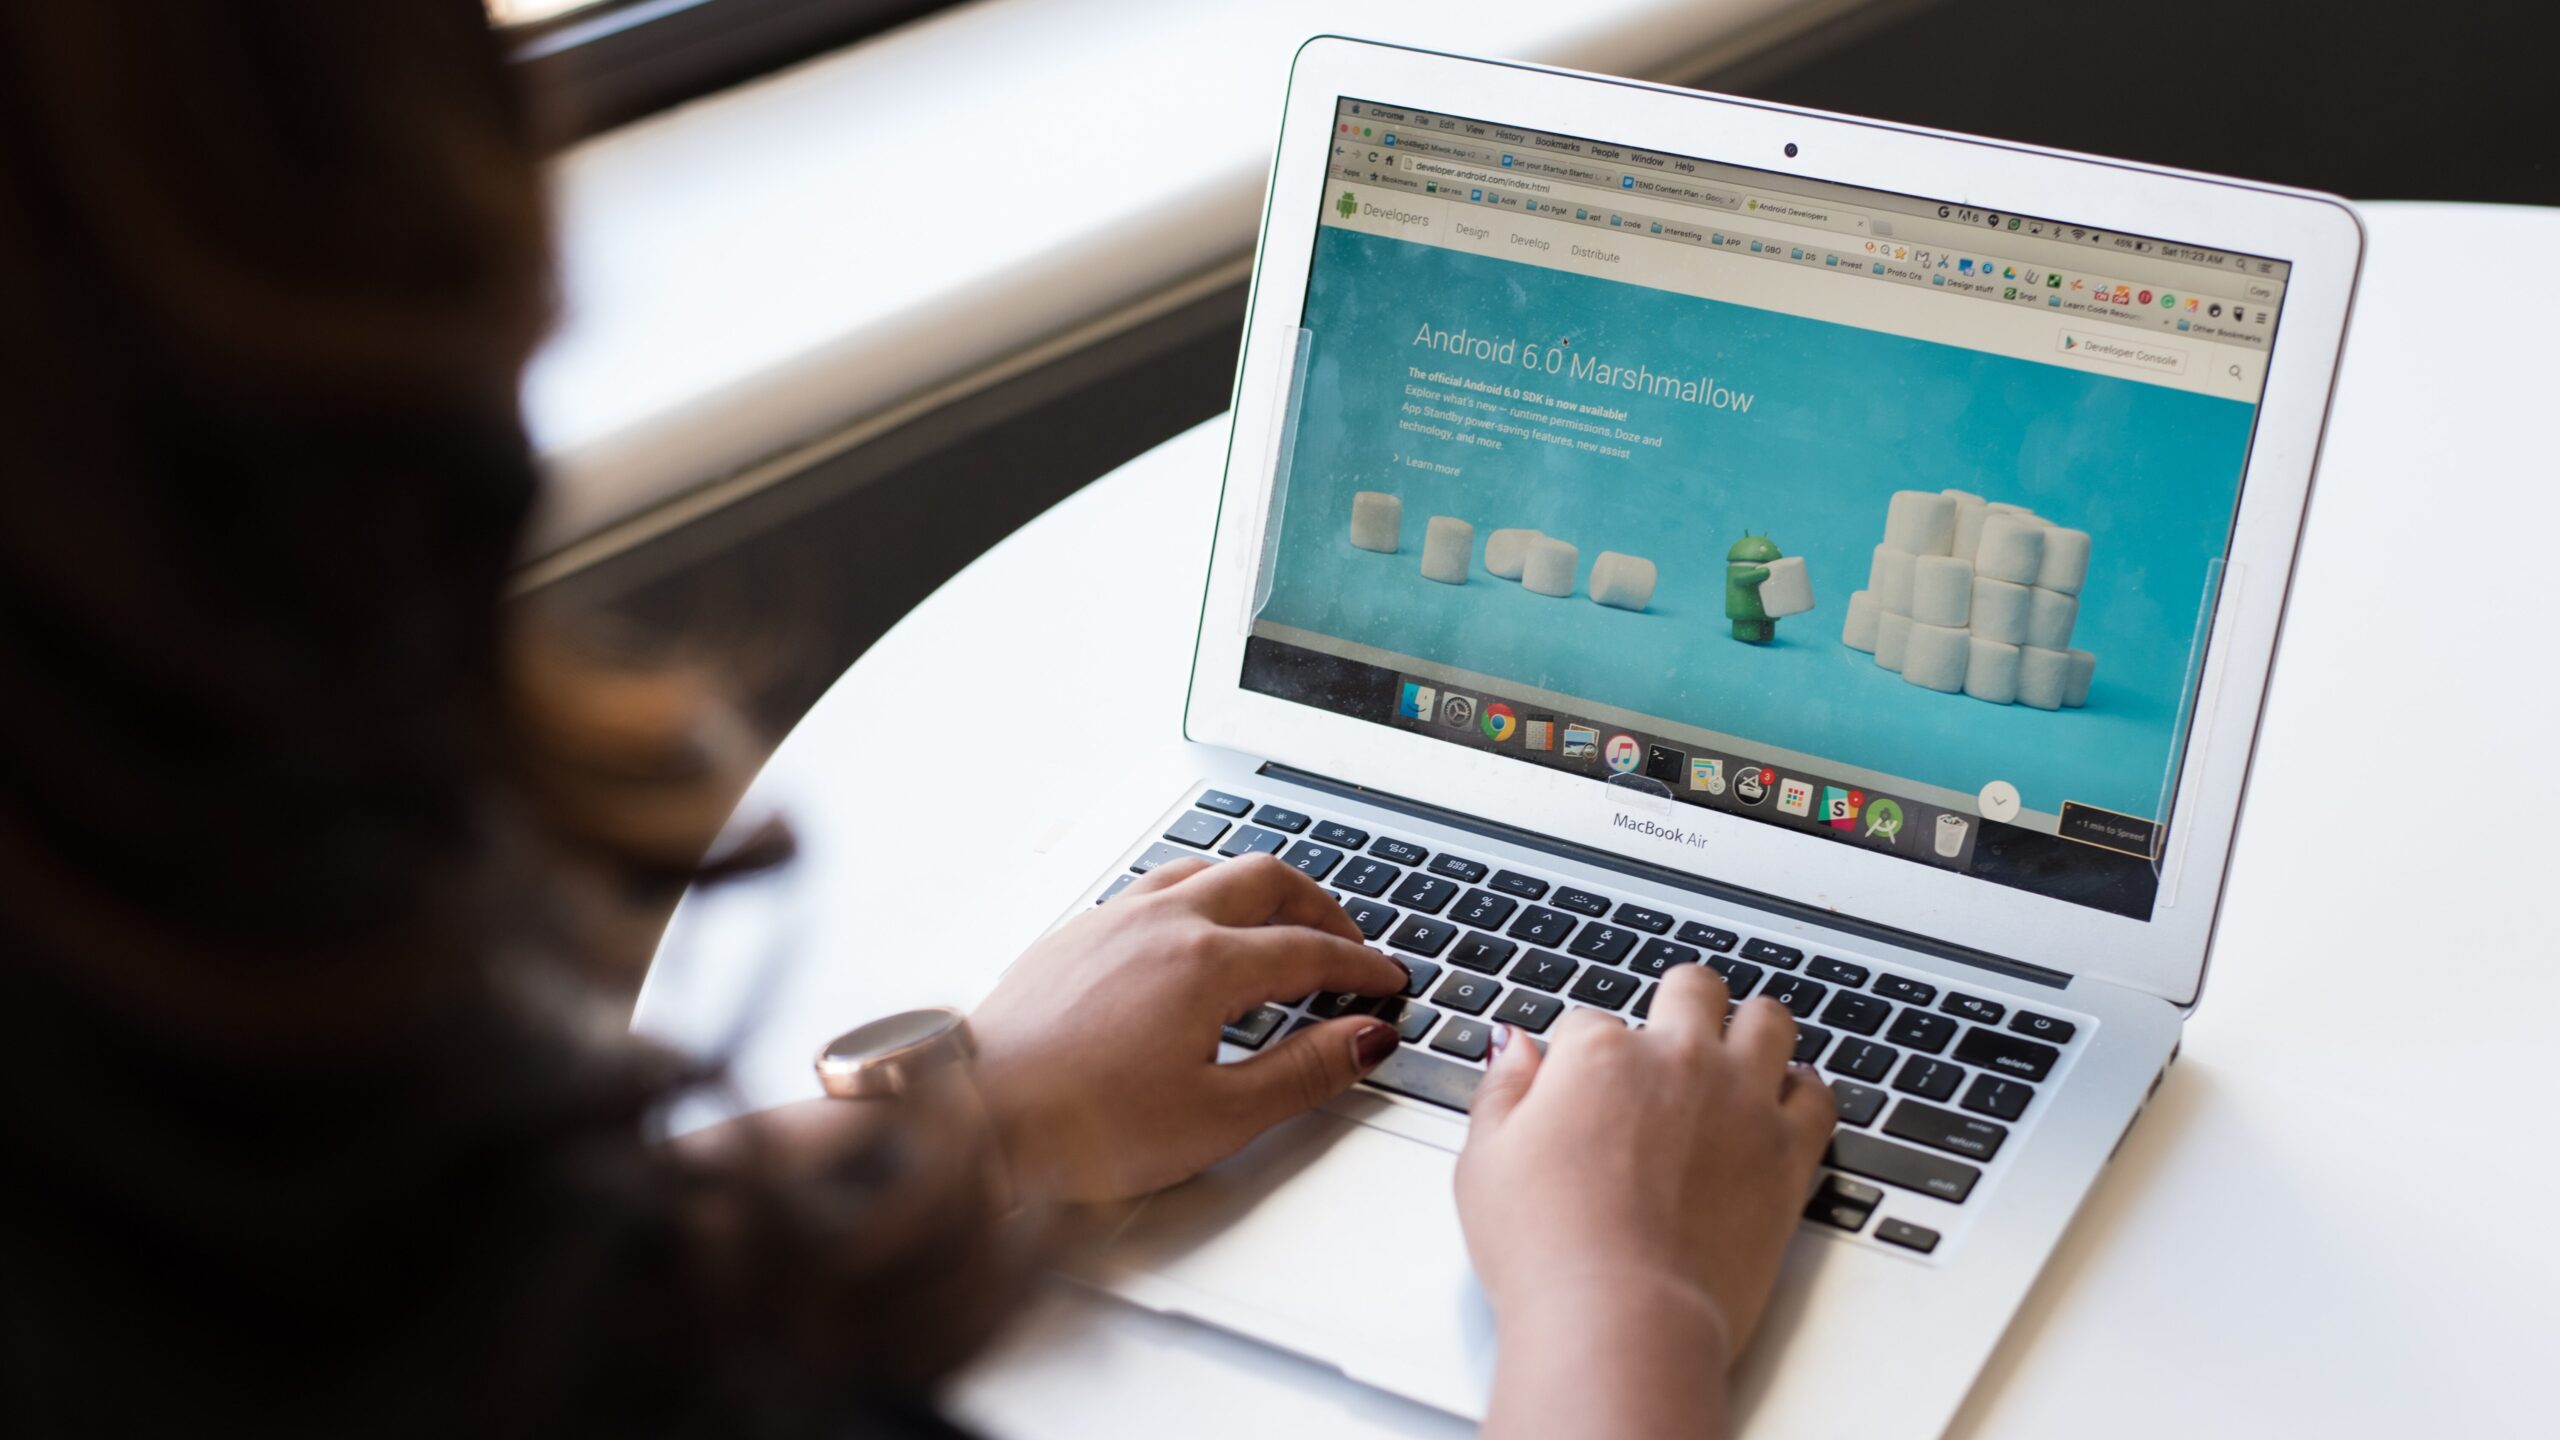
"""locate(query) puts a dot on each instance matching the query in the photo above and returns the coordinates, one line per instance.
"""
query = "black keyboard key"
(2043, 1027)
(1796, 993)
(1162, 854)
(1769, 952)
(1426, 893)
(1426, 1077)
(1255, 1028)
(1196, 828)
(1484, 910)
(1909, 992)
(1280, 819)
(1864, 1014)
(1311, 859)
(1118, 884)
(1973, 1007)
(1418, 973)
(1372, 917)
(2006, 1054)
(1838, 972)
(1334, 1004)
(1233, 807)
(1843, 1202)
(1707, 937)
(1482, 953)
(1467, 1039)
(1423, 935)
(1465, 872)
(1651, 922)
(1607, 989)
(1859, 1104)
(1253, 840)
(1945, 1130)
(1740, 976)
(2000, 1098)
(1864, 1059)
(1922, 1031)
(1809, 1042)
(1414, 1021)
(1466, 994)
(1907, 1235)
(1365, 876)
(1929, 1079)
(1543, 970)
(1605, 943)
(1539, 925)
(1402, 852)
(1862, 1154)
(1660, 957)
(1333, 832)
(1512, 882)
(1583, 901)
(1530, 1011)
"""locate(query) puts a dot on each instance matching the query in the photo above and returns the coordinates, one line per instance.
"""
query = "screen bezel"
(2318, 234)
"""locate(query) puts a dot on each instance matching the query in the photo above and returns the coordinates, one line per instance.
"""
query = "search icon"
(1884, 818)
(2233, 372)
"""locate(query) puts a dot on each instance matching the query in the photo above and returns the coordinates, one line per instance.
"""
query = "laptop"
(1664, 529)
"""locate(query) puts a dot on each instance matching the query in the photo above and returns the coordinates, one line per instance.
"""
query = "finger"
(1168, 873)
(1763, 1040)
(1297, 1075)
(1283, 962)
(1809, 1109)
(1690, 1005)
(1506, 1081)
(1262, 889)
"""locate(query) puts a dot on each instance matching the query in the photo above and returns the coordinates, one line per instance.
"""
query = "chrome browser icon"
(1497, 722)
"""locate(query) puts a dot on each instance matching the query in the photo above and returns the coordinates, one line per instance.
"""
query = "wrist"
(1607, 1302)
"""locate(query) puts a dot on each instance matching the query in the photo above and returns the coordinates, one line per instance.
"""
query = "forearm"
(1613, 1359)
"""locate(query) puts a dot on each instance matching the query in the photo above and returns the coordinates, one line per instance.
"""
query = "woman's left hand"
(1098, 1051)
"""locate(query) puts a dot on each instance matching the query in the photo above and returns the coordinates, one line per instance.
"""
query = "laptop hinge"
(1675, 879)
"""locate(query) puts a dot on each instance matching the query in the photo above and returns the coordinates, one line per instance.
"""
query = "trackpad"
(1329, 1238)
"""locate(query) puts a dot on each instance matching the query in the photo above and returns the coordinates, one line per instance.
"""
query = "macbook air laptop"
(1661, 529)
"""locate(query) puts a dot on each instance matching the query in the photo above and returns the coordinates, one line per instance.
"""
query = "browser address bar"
(1471, 175)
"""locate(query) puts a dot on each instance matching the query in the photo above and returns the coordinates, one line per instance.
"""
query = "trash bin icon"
(1950, 835)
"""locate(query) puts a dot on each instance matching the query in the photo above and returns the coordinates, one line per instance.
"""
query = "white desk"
(2334, 1220)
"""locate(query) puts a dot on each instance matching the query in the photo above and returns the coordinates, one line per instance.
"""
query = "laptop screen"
(1879, 518)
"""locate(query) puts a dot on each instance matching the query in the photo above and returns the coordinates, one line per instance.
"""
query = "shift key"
(1901, 1165)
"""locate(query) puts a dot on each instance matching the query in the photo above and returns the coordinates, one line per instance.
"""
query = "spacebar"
(1442, 1082)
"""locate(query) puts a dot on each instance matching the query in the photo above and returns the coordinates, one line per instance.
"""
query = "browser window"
(1881, 518)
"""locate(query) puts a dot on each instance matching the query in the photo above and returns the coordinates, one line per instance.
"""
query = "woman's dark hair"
(311, 844)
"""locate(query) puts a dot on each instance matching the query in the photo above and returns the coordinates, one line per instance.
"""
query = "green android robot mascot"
(1746, 570)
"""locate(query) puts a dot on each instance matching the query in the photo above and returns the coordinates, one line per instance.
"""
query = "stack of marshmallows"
(1973, 595)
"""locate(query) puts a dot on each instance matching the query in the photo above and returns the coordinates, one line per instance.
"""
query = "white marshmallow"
(1505, 551)
(1893, 639)
(1549, 567)
(2075, 686)
(1937, 656)
(1625, 581)
(2042, 674)
(1941, 591)
(1377, 521)
(1860, 631)
(1970, 514)
(2066, 560)
(2050, 616)
(1889, 579)
(1999, 611)
(1448, 549)
(2011, 549)
(1991, 671)
(1788, 590)
(1920, 522)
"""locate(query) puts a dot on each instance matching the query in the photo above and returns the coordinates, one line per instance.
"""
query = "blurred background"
(853, 288)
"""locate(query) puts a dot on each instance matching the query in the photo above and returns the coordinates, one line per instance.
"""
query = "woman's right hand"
(1657, 1170)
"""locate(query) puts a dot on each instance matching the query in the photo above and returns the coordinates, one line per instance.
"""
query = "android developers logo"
(1623, 754)
(1342, 207)
(1884, 820)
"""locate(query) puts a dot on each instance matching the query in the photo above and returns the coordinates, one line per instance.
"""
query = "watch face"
(890, 1034)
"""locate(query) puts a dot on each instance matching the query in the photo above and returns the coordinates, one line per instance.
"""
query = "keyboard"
(1931, 1081)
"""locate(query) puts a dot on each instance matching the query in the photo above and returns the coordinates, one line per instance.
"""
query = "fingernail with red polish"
(1373, 1045)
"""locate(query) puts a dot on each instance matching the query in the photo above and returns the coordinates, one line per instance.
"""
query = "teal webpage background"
(1840, 419)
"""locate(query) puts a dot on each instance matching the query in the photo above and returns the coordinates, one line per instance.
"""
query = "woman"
(316, 852)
